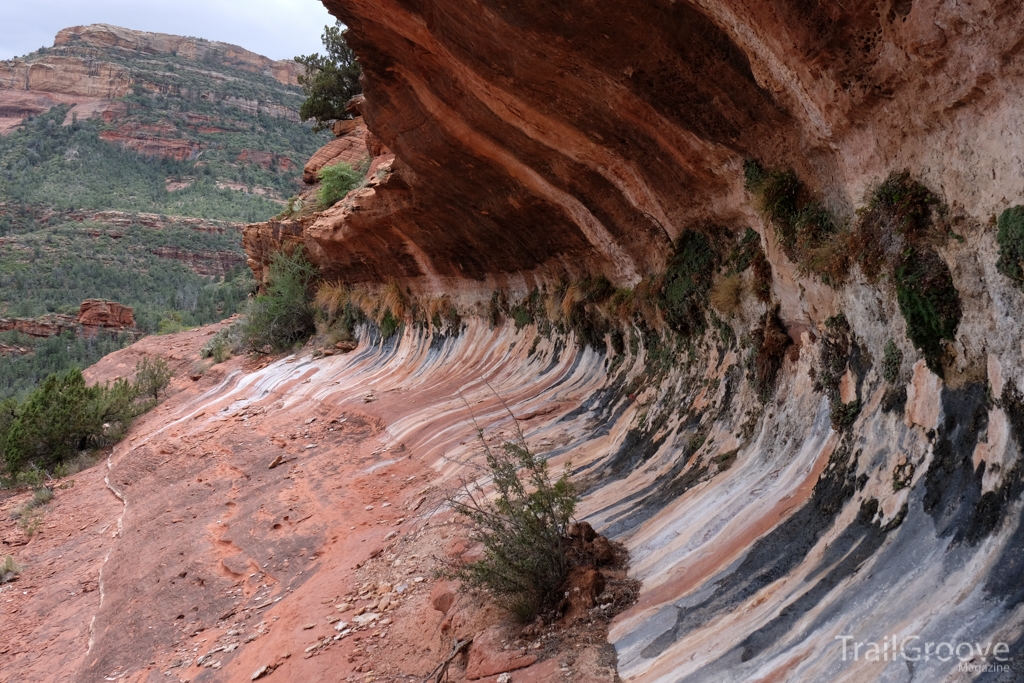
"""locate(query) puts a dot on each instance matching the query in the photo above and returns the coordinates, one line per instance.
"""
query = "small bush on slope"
(727, 293)
(928, 301)
(687, 281)
(523, 531)
(64, 416)
(152, 376)
(9, 570)
(769, 351)
(335, 182)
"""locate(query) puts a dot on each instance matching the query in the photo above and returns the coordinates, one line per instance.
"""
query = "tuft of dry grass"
(645, 300)
(573, 295)
(762, 271)
(9, 569)
(727, 294)
(829, 259)
(331, 298)
(623, 304)
(363, 300)
(438, 306)
(553, 306)
(392, 299)
(442, 312)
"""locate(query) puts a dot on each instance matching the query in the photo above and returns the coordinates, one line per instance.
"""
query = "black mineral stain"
(776, 554)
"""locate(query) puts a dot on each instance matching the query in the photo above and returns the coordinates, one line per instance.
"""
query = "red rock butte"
(98, 313)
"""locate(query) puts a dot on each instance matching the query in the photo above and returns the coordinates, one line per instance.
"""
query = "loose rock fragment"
(262, 671)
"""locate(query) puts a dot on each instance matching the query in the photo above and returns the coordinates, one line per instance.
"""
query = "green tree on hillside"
(330, 80)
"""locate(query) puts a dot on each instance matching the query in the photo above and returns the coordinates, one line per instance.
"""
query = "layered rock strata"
(92, 67)
(94, 315)
(528, 145)
(99, 314)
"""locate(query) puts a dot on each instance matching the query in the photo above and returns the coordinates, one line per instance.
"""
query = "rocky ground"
(241, 531)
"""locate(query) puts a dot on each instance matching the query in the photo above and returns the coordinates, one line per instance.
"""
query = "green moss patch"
(928, 301)
(1011, 244)
(804, 228)
(687, 283)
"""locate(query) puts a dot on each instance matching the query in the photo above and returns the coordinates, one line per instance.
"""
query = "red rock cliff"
(530, 138)
(104, 35)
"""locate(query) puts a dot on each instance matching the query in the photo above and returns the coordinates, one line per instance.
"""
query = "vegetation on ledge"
(330, 80)
(1011, 244)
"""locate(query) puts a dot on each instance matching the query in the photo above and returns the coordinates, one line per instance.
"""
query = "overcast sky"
(279, 29)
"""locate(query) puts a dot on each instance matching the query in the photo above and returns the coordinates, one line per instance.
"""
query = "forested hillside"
(111, 120)
(173, 273)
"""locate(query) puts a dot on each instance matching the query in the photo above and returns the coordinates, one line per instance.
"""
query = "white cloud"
(279, 29)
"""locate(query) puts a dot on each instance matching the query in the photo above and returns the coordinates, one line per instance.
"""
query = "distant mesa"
(286, 71)
(93, 67)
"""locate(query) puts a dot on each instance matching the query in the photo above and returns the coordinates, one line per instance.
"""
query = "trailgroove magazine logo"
(973, 657)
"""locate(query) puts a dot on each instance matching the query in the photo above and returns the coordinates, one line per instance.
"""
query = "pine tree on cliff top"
(330, 80)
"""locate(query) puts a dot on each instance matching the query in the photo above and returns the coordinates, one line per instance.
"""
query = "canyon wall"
(874, 493)
(800, 478)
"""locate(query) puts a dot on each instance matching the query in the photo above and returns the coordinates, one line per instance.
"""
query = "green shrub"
(902, 203)
(761, 269)
(335, 182)
(743, 254)
(843, 415)
(928, 301)
(523, 531)
(754, 175)
(292, 207)
(284, 314)
(41, 496)
(726, 460)
(218, 348)
(777, 192)
(171, 324)
(389, 324)
(1011, 244)
(899, 213)
(62, 417)
(223, 344)
(527, 311)
(834, 357)
(589, 326)
(803, 227)
(892, 359)
(521, 314)
(687, 282)
(152, 376)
